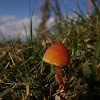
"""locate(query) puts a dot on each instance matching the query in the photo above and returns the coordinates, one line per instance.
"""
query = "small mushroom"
(58, 55)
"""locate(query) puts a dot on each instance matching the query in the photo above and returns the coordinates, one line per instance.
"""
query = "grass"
(23, 74)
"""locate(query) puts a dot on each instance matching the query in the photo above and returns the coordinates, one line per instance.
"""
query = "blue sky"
(13, 13)
(20, 8)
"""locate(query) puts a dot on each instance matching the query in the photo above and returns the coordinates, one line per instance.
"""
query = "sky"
(13, 13)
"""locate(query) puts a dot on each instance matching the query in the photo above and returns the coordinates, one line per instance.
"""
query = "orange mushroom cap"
(57, 54)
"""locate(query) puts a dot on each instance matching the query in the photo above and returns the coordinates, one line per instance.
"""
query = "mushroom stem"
(58, 72)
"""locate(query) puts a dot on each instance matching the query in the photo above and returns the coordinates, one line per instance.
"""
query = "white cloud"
(50, 22)
(10, 26)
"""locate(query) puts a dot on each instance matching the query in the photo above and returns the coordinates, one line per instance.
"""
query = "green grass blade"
(33, 11)
(95, 6)
(83, 14)
(2, 40)
(78, 23)
(22, 78)
(26, 71)
(31, 32)
(6, 91)
(96, 55)
(86, 71)
(26, 32)
(41, 67)
(51, 68)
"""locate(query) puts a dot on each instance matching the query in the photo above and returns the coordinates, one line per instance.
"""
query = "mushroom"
(58, 55)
